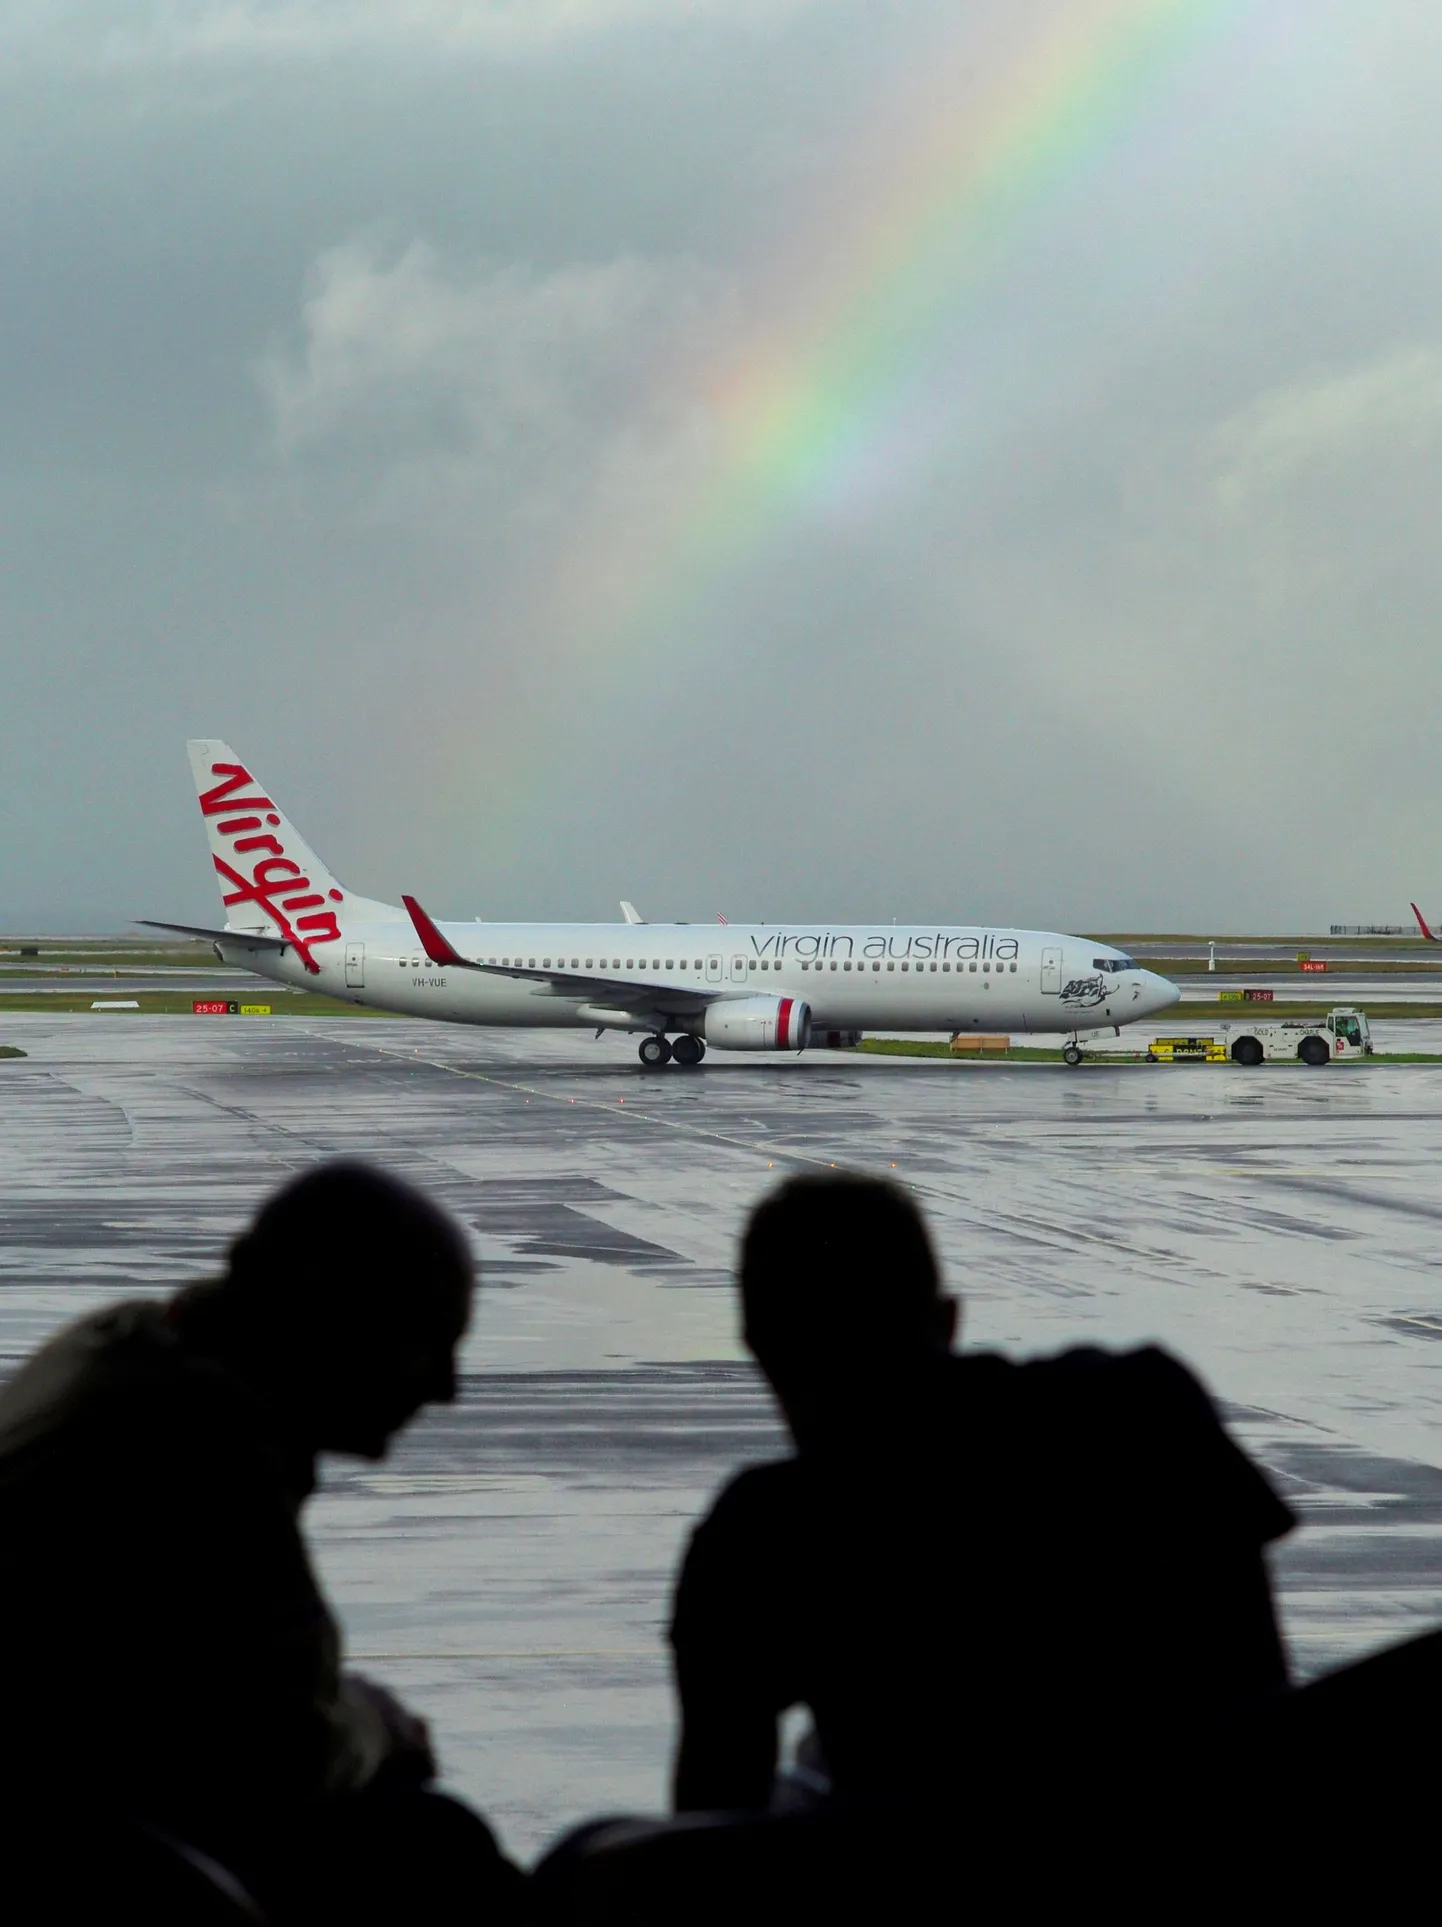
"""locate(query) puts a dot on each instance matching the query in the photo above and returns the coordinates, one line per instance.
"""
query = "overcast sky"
(795, 458)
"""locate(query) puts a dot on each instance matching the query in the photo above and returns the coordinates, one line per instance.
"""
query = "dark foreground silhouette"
(977, 1575)
(167, 1660)
(1026, 1606)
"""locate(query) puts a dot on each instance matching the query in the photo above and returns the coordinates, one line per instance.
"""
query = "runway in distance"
(684, 986)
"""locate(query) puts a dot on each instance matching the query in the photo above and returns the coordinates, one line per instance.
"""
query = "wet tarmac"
(1287, 949)
(508, 1568)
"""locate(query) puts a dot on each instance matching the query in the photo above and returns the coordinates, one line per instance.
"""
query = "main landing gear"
(657, 1050)
(1071, 1054)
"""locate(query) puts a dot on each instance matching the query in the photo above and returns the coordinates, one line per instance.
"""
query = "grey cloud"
(1386, 410)
(496, 371)
(344, 398)
(130, 34)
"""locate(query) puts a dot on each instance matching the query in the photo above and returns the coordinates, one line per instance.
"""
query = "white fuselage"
(853, 976)
(739, 986)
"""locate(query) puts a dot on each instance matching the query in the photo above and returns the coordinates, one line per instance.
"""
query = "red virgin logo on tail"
(275, 884)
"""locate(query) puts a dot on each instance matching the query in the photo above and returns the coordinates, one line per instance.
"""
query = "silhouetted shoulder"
(1147, 1426)
(124, 1356)
(757, 1485)
(739, 1567)
(746, 1528)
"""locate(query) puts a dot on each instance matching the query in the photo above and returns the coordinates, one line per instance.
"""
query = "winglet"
(630, 912)
(436, 947)
(1422, 922)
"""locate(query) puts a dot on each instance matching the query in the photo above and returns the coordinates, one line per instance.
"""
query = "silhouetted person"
(1004, 1587)
(165, 1650)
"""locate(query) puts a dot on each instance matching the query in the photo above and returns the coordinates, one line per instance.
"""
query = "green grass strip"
(170, 1003)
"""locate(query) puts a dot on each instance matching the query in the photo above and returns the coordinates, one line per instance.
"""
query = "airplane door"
(738, 970)
(1051, 971)
(713, 970)
(355, 966)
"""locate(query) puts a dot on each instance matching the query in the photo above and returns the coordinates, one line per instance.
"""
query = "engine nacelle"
(758, 1023)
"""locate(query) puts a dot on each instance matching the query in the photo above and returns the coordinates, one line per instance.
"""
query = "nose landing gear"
(1071, 1054)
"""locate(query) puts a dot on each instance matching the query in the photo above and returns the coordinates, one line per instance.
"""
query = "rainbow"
(819, 393)
(808, 406)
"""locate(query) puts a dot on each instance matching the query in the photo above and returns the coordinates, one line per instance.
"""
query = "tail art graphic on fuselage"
(683, 986)
(1085, 993)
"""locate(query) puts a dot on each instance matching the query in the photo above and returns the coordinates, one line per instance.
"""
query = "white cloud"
(421, 377)
(1388, 408)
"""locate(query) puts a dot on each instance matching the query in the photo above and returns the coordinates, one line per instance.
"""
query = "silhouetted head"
(348, 1297)
(841, 1298)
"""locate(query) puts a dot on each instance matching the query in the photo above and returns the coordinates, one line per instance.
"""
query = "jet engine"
(758, 1023)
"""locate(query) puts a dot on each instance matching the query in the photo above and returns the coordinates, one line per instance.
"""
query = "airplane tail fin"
(1422, 925)
(271, 882)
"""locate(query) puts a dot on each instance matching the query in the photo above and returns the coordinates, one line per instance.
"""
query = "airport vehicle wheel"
(1071, 1054)
(688, 1050)
(1313, 1051)
(1247, 1050)
(655, 1052)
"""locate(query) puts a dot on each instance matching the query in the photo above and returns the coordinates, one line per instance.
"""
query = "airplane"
(683, 986)
(1422, 925)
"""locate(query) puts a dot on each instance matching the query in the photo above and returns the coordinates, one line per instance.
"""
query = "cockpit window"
(1114, 965)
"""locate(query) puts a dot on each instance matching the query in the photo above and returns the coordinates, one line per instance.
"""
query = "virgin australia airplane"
(768, 987)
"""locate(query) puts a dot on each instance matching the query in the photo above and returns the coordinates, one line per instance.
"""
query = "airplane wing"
(242, 939)
(612, 992)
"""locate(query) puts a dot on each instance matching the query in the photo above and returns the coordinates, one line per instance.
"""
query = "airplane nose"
(1161, 993)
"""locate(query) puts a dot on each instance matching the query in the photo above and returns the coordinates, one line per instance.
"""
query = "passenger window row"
(765, 963)
(592, 963)
(986, 967)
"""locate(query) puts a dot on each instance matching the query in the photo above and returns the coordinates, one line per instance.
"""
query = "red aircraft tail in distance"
(1422, 925)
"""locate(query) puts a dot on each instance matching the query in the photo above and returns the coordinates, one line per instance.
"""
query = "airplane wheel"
(688, 1050)
(1071, 1054)
(655, 1052)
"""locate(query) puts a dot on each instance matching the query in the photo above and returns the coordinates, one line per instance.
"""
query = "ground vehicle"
(1343, 1033)
(1175, 1050)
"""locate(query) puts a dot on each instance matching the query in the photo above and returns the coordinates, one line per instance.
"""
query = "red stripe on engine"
(783, 1024)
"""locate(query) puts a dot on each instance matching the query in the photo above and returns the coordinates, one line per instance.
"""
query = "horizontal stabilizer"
(242, 939)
